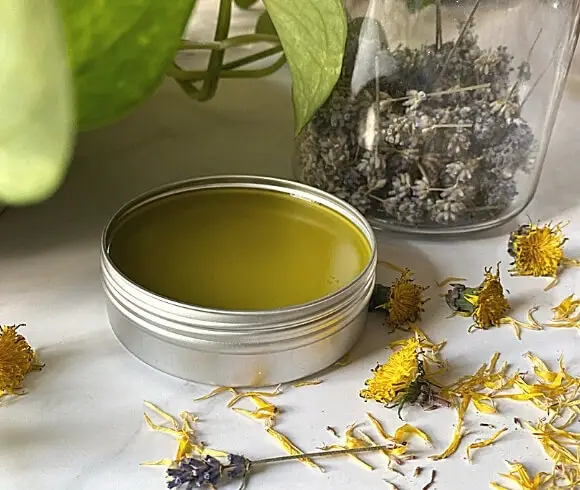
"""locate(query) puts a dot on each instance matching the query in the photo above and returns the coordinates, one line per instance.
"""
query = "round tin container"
(237, 346)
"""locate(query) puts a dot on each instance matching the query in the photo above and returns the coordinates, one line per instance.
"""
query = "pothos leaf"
(119, 51)
(36, 101)
(313, 35)
(245, 4)
(265, 25)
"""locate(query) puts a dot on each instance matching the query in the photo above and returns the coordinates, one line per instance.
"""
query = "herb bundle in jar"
(442, 135)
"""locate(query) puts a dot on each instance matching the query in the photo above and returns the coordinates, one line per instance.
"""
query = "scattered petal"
(457, 433)
(217, 391)
(485, 443)
(290, 447)
(311, 382)
(246, 394)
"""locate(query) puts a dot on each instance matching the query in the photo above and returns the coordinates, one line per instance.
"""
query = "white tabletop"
(81, 424)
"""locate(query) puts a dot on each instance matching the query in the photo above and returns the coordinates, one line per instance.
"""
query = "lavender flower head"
(190, 473)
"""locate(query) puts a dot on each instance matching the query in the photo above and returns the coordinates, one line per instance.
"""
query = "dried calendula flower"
(538, 250)
(403, 300)
(17, 359)
(401, 379)
(485, 304)
(519, 475)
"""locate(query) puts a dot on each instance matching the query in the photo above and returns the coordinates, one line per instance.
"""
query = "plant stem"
(321, 454)
(258, 73)
(246, 60)
(457, 41)
(232, 42)
(210, 82)
(191, 76)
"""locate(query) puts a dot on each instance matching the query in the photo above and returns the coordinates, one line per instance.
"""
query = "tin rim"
(115, 279)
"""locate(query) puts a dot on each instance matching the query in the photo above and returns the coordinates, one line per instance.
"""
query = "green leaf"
(119, 51)
(265, 25)
(313, 35)
(245, 4)
(36, 102)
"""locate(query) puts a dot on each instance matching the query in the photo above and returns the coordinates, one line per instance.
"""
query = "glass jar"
(442, 116)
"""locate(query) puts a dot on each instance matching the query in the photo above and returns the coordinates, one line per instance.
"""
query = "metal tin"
(237, 348)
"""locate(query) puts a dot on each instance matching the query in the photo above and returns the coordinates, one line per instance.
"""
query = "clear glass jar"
(442, 116)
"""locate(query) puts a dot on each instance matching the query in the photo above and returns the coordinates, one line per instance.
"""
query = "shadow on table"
(246, 128)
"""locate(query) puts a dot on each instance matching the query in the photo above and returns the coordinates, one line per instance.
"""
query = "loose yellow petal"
(403, 433)
(159, 462)
(159, 428)
(239, 396)
(312, 382)
(566, 308)
(379, 428)
(487, 442)
(484, 404)
(457, 433)
(391, 266)
(357, 460)
(290, 448)
(217, 391)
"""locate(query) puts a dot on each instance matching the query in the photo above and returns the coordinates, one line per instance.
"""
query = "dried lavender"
(209, 472)
(423, 145)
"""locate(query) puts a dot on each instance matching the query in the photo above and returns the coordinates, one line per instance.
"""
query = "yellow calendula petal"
(391, 266)
(312, 382)
(566, 308)
(354, 457)
(540, 369)
(484, 404)
(379, 428)
(290, 447)
(485, 443)
(496, 486)
(240, 396)
(457, 433)
(162, 414)
(159, 462)
(369, 441)
(403, 433)
(159, 428)
(217, 391)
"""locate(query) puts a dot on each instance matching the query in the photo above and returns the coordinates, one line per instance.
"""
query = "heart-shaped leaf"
(313, 35)
(120, 50)
(265, 24)
(245, 4)
(36, 101)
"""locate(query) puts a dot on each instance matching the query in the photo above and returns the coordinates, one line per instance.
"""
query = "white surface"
(81, 425)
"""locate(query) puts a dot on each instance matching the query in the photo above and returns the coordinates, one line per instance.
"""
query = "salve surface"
(243, 249)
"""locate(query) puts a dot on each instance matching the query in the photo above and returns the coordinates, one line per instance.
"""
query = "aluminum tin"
(237, 348)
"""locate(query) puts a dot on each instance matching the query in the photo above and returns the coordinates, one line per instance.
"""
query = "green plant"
(72, 65)
(118, 52)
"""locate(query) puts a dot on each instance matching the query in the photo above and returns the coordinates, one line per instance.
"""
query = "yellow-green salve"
(238, 249)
